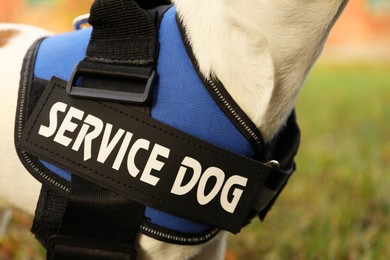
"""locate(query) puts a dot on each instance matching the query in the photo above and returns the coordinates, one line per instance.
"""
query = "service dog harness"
(127, 136)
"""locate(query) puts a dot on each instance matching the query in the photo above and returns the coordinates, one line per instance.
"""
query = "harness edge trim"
(225, 102)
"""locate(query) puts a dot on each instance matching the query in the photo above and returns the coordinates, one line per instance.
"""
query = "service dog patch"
(135, 155)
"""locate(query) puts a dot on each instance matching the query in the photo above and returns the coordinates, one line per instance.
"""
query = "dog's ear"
(149, 4)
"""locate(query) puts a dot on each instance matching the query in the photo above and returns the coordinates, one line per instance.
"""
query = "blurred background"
(337, 206)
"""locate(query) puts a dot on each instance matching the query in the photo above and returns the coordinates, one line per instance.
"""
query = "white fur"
(19, 188)
(261, 50)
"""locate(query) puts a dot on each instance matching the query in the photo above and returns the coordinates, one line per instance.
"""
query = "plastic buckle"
(273, 185)
(144, 74)
(71, 247)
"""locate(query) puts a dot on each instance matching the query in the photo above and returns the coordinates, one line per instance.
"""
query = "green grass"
(337, 206)
(18, 243)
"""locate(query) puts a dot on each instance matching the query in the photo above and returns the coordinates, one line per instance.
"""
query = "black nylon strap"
(123, 33)
(98, 223)
(70, 248)
(121, 55)
(149, 4)
(91, 210)
(48, 215)
(282, 148)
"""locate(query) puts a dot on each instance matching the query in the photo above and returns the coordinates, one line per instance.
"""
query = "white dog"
(260, 50)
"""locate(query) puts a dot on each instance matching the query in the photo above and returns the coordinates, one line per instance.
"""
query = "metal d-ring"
(79, 21)
(273, 164)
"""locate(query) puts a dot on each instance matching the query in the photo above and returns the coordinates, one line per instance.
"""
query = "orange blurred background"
(54, 15)
(363, 31)
(361, 34)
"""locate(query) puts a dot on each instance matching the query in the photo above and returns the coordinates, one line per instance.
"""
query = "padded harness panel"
(180, 99)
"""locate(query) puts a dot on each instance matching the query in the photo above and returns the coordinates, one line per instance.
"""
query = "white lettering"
(178, 188)
(51, 129)
(106, 147)
(139, 144)
(209, 184)
(80, 137)
(203, 199)
(234, 180)
(98, 124)
(154, 164)
(68, 125)
(122, 151)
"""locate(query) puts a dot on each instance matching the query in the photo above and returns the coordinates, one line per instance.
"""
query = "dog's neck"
(260, 50)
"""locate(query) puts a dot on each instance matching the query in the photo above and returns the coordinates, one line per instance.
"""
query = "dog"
(260, 50)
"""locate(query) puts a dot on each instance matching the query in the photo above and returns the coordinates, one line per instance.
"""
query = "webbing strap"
(48, 215)
(121, 55)
(282, 148)
(98, 223)
(123, 33)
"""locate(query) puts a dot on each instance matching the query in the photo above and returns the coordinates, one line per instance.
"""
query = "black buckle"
(272, 186)
(143, 74)
(71, 247)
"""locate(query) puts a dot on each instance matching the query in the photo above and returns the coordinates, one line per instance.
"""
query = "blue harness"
(192, 108)
(180, 99)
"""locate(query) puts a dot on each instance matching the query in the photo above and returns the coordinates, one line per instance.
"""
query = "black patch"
(156, 195)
